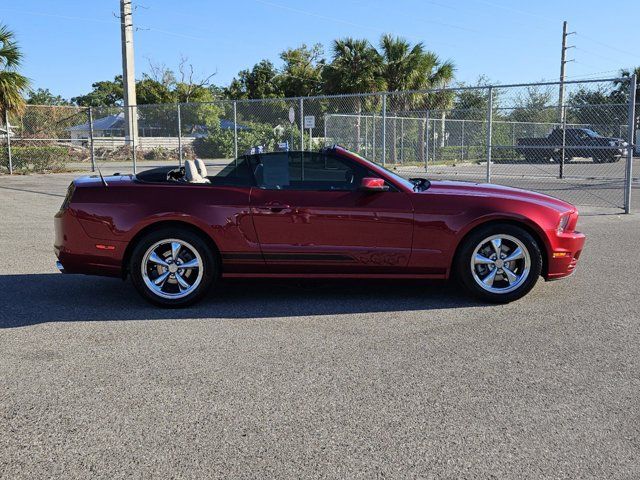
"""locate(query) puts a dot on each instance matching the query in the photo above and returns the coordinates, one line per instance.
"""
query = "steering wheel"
(349, 177)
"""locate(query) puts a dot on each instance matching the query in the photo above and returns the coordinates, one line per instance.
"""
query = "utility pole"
(563, 62)
(561, 109)
(128, 73)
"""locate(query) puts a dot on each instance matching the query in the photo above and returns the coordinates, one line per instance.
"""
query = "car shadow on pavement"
(39, 298)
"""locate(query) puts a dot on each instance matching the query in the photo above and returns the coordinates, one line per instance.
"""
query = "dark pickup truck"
(578, 142)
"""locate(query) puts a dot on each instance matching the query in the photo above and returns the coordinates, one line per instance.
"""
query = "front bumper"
(564, 254)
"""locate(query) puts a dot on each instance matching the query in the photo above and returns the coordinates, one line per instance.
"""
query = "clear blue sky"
(69, 44)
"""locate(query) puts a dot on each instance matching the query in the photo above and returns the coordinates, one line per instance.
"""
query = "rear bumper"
(564, 255)
(79, 253)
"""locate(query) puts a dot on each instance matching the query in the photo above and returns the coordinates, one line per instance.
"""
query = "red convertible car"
(332, 213)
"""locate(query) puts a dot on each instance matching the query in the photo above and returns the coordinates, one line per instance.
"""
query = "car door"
(311, 217)
(576, 144)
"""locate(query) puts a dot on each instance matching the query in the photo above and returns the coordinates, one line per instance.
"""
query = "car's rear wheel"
(499, 263)
(172, 267)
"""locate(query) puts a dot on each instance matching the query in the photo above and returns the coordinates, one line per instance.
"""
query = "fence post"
(462, 139)
(631, 125)
(301, 125)
(402, 140)
(489, 132)
(563, 125)
(366, 136)
(426, 142)
(324, 122)
(91, 142)
(179, 136)
(373, 138)
(235, 129)
(384, 129)
(133, 139)
(7, 126)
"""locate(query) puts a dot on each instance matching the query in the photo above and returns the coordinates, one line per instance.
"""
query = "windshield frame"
(396, 179)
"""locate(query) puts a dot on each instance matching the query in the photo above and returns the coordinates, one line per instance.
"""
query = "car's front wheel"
(499, 263)
(172, 267)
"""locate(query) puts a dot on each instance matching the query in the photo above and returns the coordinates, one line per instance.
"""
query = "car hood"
(612, 139)
(497, 191)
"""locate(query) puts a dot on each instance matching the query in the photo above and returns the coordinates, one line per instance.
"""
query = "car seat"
(201, 167)
(191, 173)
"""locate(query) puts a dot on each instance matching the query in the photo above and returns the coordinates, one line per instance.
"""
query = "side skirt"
(429, 276)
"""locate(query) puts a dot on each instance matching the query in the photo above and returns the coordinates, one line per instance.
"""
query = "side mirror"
(371, 184)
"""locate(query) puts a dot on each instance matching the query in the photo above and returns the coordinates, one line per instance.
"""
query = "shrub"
(160, 153)
(220, 143)
(39, 159)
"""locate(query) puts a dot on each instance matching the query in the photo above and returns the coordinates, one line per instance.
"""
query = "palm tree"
(406, 67)
(12, 84)
(355, 68)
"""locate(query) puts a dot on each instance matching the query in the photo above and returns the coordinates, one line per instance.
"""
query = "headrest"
(190, 171)
(202, 168)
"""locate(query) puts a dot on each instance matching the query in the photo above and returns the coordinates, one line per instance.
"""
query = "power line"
(588, 52)
(54, 15)
(633, 54)
(338, 20)
(100, 20)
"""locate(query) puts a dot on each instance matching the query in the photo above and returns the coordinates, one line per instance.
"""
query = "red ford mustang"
(175, 231)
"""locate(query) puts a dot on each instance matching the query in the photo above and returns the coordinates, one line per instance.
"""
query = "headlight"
(564, 221)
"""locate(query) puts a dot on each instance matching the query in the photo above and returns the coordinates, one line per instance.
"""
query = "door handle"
(274, 207)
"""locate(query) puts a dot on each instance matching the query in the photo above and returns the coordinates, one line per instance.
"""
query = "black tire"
(464, 273)
(209, 260)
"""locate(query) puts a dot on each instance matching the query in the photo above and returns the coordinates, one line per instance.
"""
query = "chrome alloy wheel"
(500, 264)
(172, 268)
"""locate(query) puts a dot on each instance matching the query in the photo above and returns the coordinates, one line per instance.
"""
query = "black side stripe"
(327, 257)
(242, 256)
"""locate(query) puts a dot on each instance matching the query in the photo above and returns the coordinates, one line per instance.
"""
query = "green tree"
(355, 68)
(621, 92)
(472, 104)
(301, 75)
(12, 85)
(536, 105)
(106, 93)
(42, 96)
(598, 108)
(258, 82)
(150, 91)
(407, 67)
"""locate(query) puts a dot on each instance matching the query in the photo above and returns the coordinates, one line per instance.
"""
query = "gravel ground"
(314, 379)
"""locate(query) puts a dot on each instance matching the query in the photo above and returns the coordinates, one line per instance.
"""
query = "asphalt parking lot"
(314, 379)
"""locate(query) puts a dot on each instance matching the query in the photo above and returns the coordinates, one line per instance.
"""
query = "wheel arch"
(531, 228)
(166, 224)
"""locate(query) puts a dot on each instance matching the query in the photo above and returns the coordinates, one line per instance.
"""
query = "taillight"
(67, 199)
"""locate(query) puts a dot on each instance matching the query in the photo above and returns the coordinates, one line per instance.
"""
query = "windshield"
(391, 173)
(591, 133)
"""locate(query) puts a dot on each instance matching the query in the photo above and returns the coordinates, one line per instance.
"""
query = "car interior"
(271, 171)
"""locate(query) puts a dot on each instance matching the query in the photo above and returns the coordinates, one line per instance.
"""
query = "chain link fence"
(514, 135)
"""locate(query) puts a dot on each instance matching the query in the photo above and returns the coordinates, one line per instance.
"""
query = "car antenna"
(104, 182)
